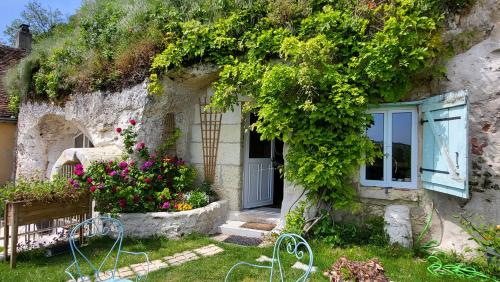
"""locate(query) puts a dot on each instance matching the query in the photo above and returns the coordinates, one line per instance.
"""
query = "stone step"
(233, 227)
(261, 215)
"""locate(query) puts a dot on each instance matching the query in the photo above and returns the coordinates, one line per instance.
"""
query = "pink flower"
(79, 167)
(118, 130)
(132, 122)
(71, 181)
(140, 146)
(92, 188)
(123, 164)
(136, 199)
(132, 162)
(147, 180)
(122, 202)
(113, 173)
(89, 180)
(166, 205)
(160, 178)
(147, 165)
(78, 172)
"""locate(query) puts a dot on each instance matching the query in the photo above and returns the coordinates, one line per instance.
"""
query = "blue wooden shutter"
(445, 144)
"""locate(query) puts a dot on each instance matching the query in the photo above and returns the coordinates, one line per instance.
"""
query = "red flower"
(372, 5)
(132, 122)
(118, 130)
(92, 189)
(122, 202)
(89, 180)
(147, 180)
(136, 199)
(160, 178)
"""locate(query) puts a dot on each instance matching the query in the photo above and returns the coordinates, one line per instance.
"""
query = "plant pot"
(37, 212)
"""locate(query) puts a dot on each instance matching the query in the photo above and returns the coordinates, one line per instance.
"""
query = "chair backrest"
(97, 227)
(296, 246)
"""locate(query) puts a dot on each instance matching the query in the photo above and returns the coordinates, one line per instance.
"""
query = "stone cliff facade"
(46, 133)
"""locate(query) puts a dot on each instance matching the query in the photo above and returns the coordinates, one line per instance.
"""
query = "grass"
(399, 264)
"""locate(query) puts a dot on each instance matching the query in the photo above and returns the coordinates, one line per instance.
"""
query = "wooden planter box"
(32, 212)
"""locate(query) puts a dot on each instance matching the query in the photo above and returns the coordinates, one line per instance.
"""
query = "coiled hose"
(437, 268)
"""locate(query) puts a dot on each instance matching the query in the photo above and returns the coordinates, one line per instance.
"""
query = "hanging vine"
(310, 77)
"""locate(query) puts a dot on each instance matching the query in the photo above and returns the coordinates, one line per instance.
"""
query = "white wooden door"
(258, 169)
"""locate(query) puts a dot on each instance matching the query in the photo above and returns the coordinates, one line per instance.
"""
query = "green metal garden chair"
(96, 227)
(295, 245)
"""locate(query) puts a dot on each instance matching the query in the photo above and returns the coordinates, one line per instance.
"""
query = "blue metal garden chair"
(95, 227)
(295, 245)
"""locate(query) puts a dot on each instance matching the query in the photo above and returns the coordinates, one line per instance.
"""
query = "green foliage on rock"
(310, 67)
(369, 231)
(310, 75)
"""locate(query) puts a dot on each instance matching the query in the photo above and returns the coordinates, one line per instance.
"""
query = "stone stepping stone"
(142, 268)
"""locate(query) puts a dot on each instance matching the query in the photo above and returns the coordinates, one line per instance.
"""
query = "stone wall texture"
(175, 224)
(477, 70)
(47, 129)
(229, 169)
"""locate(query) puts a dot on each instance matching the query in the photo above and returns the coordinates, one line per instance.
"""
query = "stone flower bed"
(142, 181)
(174, 224)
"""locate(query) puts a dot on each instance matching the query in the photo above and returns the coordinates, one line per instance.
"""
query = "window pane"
(376, 134)
(401, 146)
(79, 141)
(258, 148)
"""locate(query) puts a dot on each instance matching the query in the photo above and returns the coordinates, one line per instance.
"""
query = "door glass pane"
(258, 148)
(401, 146)
(376, 134)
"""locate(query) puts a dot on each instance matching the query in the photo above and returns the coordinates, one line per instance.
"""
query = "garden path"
(175, 259)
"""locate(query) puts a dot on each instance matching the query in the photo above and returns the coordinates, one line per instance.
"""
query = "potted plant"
(36, 201)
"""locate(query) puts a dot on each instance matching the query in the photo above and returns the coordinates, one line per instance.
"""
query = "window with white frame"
(82, 141)
(394, 132)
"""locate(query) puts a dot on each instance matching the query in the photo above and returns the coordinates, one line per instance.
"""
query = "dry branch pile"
(346, 270)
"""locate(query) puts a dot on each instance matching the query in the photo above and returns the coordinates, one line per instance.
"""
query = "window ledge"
(390, 194)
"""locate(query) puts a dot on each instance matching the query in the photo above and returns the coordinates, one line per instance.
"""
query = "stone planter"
(175, 224)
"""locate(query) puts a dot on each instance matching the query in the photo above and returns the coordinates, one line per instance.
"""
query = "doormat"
(258, 226)
(241, 240)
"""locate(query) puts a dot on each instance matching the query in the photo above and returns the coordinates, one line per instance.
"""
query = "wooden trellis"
(210, 134)
(169, 131)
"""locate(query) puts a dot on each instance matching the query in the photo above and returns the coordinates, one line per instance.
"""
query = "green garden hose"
(437, 268)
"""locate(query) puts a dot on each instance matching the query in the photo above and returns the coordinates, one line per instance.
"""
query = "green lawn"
(33, 266)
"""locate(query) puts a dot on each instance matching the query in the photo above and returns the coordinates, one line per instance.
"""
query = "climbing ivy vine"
(310, 76)
(309, 67)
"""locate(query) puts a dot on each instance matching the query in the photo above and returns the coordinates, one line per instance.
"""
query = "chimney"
(23, 38)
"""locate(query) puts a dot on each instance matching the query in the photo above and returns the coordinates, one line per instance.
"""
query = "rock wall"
(229, 169)
(47, 129)
(175, 224)
(478, 71)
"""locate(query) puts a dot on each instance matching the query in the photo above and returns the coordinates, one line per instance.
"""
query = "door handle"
(456, 159)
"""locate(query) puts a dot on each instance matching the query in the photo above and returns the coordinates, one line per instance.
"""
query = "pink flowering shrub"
(152, 183)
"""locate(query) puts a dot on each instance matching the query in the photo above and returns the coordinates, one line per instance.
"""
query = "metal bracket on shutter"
(454, 175)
